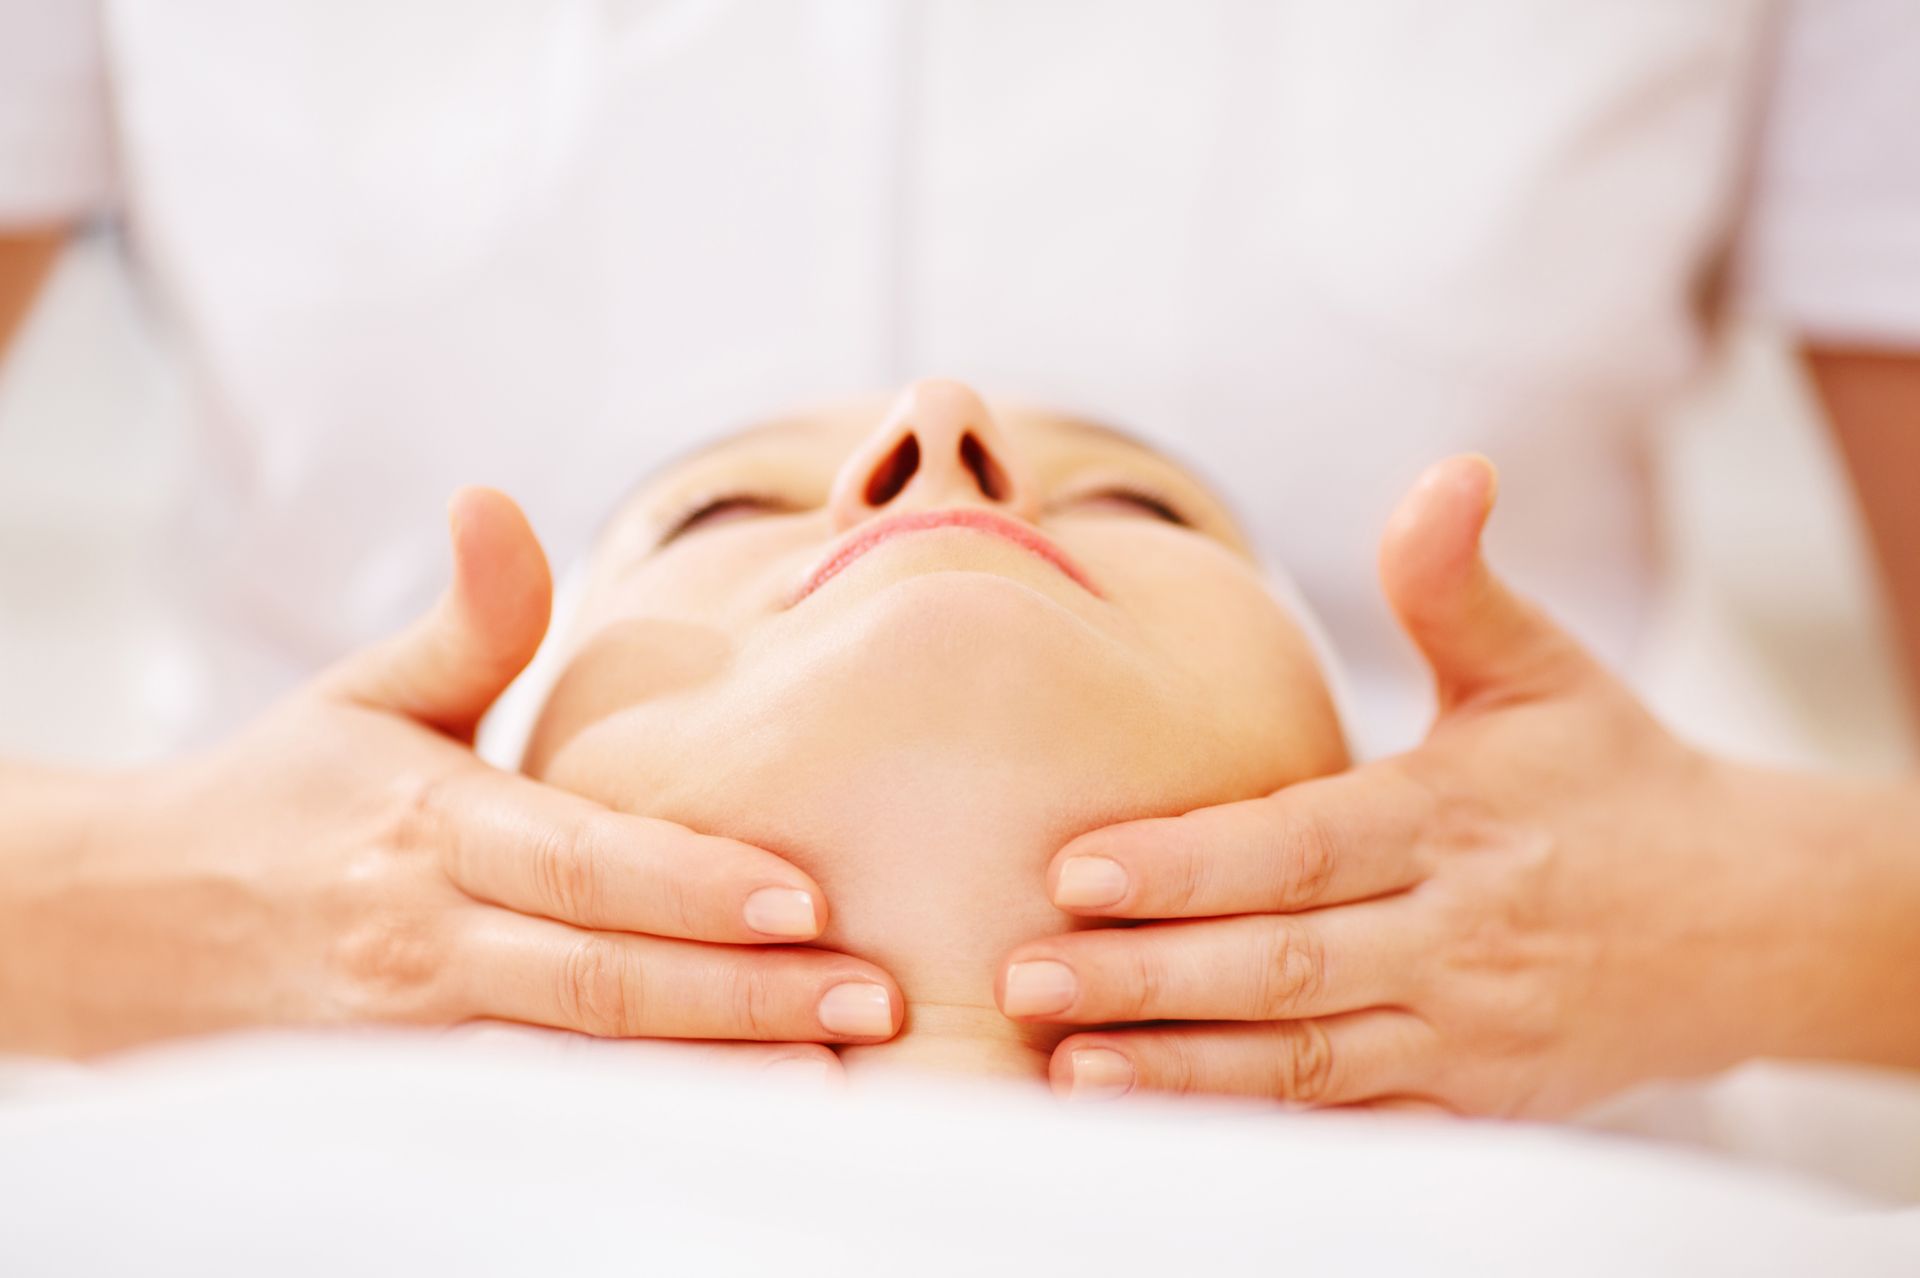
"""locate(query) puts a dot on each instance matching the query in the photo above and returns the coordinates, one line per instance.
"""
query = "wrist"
(52, 823)
(1837, 866)
(48, 814)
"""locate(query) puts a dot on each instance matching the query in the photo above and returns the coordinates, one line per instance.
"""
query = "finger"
(513, 841)
(1412, 1106)
(800, 1063)
(1339, 839)
(1334, 1060)
(1476, 634)
(783, 1064)
(1261, 967)
(612, 985)
(451, 664)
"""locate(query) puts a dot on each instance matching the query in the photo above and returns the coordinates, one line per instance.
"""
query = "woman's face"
(916, 649)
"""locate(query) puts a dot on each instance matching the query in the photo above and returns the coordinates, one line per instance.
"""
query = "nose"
(938, 446)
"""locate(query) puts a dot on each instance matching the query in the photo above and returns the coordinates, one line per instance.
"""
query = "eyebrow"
(1106, 430)
(700, 452)
(1118, 435)
(1195, 474)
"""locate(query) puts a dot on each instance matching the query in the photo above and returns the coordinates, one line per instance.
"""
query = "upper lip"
(864, 538)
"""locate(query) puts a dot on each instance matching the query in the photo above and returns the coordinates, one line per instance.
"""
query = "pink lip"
(986, 521)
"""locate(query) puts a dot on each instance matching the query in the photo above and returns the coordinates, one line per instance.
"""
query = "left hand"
(1549, 899)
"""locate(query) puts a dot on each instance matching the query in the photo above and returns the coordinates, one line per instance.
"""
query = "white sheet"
(414, 1155)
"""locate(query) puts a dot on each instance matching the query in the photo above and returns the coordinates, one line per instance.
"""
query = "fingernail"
(857, 1010)
(1039, 988)
(1099, 1073)
(1090, 880)
(800, 1071)
(782, 912)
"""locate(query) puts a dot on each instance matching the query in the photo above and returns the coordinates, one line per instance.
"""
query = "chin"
(958, 655)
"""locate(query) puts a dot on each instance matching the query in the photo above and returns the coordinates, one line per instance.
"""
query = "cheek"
(1241, 658)
(622, 664)
(729, 579)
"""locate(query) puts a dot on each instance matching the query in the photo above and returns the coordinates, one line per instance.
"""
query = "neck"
(949, 1038)
(940, 875)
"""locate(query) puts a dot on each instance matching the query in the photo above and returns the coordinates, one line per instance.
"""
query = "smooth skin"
(1550, 899)
(349, 859)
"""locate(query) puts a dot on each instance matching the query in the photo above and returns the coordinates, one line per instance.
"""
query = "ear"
(1478, 637)
(452, 663)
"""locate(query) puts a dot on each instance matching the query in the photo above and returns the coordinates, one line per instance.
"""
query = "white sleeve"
(1831, 244)
(56, 154)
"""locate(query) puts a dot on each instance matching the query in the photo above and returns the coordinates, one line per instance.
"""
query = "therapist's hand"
(349, 859)
(1549, 899)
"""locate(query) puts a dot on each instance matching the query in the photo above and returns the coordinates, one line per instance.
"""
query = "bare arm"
(348, 858)
(1872, 400)
(1549, 899)
(25, 259)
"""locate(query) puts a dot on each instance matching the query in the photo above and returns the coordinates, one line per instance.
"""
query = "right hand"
(349, 859)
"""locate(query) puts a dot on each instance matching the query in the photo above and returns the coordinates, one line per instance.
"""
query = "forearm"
(25, 259)
(49, 821)
(1872, 401)
(1837, 973)
(45, 811)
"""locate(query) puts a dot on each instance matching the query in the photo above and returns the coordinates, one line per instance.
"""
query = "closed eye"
(1131, 501)
(724, 509)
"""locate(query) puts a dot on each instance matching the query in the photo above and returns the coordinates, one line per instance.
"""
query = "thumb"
(1477, 635)
(452, 663)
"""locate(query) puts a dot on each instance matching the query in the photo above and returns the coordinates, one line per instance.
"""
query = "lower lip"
(1033, 543)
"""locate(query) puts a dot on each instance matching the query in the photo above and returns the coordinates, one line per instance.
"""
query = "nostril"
(986, 472)
(893, 472)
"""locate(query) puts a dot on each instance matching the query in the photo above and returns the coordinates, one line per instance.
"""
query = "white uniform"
(1311, 246)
